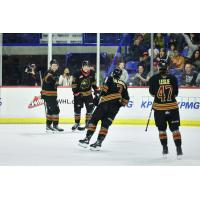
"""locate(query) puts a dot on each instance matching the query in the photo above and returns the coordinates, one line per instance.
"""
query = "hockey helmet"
(162, 65)
(117, 73)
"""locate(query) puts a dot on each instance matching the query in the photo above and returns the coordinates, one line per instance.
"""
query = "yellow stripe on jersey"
(166, 106)
(111, 97)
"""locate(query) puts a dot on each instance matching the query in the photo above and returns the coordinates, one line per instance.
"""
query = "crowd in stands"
(180, 51)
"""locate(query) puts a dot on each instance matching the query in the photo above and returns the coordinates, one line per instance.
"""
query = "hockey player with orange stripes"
(113, 95)
(49, 94)
(164, 88)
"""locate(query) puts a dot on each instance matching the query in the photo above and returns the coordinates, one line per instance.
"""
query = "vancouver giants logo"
(37, 101)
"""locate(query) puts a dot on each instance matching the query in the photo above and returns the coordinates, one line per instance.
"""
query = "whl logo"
(37, 101)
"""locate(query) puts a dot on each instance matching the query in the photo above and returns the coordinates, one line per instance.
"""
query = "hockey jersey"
(50, 83)
(84, 82)
(114, 90)
(164, 88)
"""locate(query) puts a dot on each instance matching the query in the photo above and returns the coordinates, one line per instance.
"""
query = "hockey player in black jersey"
(49, 94)
(164, 88)
(83, 83)
(114, 94)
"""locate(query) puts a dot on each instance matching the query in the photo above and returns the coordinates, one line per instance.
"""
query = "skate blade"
(58, 131)
(73, 130)
(83, 145)
(95, 149)
(81, 128)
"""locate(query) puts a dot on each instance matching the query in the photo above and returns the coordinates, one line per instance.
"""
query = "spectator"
(162, 56)
(155, 70)
(65, 79)
(155, 52)
(177, 39)
(177, 61)
(198, 80)
(191, 47)
(146, 40)
(172, 51)
(31, 76)
(145, 61)
(159, 41)
(139, 79)
(136, 49)
(189, 76)
(124, 76)
(195, 60)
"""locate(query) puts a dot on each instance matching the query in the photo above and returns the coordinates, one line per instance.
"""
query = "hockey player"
(49, 94)
(82, 84)
(113, 95)
(164, 88)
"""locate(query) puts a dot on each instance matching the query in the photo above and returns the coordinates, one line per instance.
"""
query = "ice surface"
(124, 146)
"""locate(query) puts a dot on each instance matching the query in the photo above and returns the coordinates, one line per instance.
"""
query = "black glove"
(96, 100)
(120, 103)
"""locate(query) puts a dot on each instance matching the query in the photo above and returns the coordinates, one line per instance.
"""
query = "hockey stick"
(41, 82)
(149, 118)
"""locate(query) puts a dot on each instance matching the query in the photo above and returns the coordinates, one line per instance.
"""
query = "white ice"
(123, 146)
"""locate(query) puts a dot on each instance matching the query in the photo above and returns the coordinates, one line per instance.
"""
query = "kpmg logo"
(192, 103)
(146, 104)
(189, 105)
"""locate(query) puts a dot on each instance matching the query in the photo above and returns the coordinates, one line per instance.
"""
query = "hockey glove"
(96, 100)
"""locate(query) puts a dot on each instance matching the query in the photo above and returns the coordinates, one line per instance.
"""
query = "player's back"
(164, 88)
(114, 90)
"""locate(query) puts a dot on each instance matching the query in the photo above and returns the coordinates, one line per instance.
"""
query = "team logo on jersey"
(85, 83)
(37, 101)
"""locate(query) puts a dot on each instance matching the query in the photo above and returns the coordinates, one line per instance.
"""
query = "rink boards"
(23, 105)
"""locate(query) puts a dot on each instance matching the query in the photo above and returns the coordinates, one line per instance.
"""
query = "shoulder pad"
(119, 82)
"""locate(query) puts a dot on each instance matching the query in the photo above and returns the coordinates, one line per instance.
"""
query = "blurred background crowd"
(24, 56)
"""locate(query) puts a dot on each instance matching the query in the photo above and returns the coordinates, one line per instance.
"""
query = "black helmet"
(162, 65)
(117, 73)
(54, 61)
(85, 62)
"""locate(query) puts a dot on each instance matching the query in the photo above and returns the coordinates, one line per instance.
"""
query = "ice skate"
(75, 127)
(179, 152)
(165, 151)
(81, 128)
(57, 128)
(84, 143)
(96, 146)
(49, 129)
